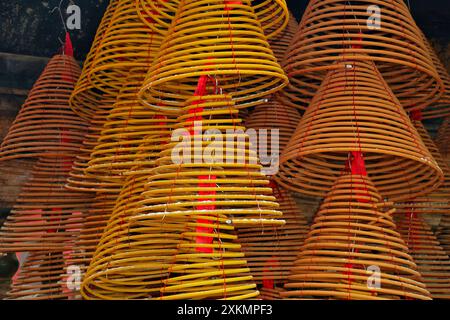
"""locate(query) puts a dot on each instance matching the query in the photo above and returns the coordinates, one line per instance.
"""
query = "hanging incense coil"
(280, 43)
(46, 215)
(40, 278)
(45, 125)
(126, 44)
(438, 201)
(213, 37)
(443, 233)
(440, 108)
(338, 30)
(128, 198)
(270, 252)
(110, 205)
(145, 233)
(108, 161)
(354, 110)
(272, 14)
(432, 261)
(85, 98)
(237, 179)
(275, 115)
(113, 53)
(352, 233)
(226, 274)
(120, 145)
(116, 237)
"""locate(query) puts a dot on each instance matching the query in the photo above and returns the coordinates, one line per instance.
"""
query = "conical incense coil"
(443, 233)
(438, 201)
(107, 277)
(270, 252)
(126, 44)
(213, 37)
(46, 215)
(272, 14)
(440, 108)
(85, 98)
(146, 248)
(225, 174)
(45, 125)
(280, 43)
(275, 115)
(203, 269)
(355, 111)
(121, 144)
(130, 285)
(353, 250)
(177, 264)
(333, 30)
(115, 203)
(432, 261)
(78, 179)
(41, 278)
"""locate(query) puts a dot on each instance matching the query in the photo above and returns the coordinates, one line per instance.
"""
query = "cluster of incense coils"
(106, 197)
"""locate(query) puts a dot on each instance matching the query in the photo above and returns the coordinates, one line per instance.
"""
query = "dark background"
(30, 27)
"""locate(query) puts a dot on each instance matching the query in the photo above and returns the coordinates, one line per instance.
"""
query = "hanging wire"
(58, 8)
(60, 14)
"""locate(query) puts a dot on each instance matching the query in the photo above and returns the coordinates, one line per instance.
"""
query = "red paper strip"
(68, 47)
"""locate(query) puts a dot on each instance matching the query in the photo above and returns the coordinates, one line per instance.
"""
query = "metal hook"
(60, 14)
